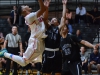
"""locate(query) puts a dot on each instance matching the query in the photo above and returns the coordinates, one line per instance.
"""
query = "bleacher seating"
(56, 5)
(88, 33)
(5, 28)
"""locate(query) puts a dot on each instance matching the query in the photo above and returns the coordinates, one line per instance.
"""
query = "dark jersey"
(53, 38)
(71, 50)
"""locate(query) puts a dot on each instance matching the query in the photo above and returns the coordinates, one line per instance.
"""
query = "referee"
(13, 42)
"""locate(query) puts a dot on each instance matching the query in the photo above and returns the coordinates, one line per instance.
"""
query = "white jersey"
(38, 59)
(36, 25)
(36, 44)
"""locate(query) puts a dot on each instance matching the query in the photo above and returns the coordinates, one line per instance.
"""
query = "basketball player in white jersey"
(36, 42)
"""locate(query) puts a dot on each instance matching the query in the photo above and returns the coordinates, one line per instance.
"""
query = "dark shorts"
(52, 62)
(74, 68)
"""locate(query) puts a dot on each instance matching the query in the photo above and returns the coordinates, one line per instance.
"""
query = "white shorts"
(38, 59)
(34, 49)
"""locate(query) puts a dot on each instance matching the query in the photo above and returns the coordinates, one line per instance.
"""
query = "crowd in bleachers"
(88, 63)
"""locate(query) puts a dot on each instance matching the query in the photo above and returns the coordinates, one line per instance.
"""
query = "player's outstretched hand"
(47, 3)
(64, 1)
(96, 46)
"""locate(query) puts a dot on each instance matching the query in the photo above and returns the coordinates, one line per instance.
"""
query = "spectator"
(13, 19)
(69, 15)
(1, 40)
(84, 59)
(93, 17)
(69, 26)
(80, 14)
(94, 62)
(78, 34)
(13, 41)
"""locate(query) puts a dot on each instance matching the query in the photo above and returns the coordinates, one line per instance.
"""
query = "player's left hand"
(64, 1)
(96, 46)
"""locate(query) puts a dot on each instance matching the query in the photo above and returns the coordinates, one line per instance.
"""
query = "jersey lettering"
(66, 49)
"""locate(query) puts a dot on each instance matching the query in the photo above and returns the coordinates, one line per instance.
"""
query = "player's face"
(26, 8)
(65, 29)
(82, 49)
(54, 21)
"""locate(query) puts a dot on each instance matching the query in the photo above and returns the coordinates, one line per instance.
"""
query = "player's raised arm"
(42, 8)
(62, 22)
(45, 15)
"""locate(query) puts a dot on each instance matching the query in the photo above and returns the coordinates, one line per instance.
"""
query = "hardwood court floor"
(34, 72)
